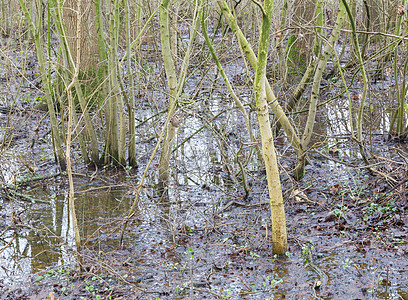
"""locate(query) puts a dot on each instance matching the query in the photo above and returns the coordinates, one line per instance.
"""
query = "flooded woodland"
(203, 149)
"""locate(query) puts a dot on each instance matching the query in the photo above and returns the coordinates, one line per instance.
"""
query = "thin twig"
(8, 244)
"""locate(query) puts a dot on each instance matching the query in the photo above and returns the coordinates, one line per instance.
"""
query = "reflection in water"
(15, 260)
(67, 234)
(10, 168)
(29, 252)
(54, 243)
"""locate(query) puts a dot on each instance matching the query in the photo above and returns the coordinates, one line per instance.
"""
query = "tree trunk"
(314, 96)
(279, 236)
(304, 13)
(271, 98)
(89, 55)
(171, 75)
(37, 32)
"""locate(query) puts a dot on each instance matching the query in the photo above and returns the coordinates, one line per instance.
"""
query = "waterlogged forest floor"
(347, 227)
(347, 232)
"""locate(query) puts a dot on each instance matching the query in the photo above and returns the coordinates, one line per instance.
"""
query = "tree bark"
(89, 55)
(304, 13)
(279, 236)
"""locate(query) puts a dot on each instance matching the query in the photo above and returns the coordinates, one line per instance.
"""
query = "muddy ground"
(347, 233)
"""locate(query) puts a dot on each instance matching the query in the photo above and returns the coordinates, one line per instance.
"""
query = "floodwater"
(206, 240)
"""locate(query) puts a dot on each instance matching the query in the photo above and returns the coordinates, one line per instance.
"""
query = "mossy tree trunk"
(314, 96)
(175, 84)
(88, 58)
(279, 237)
(278, 111)
(36, 30)
(302, 36)
(172, 83)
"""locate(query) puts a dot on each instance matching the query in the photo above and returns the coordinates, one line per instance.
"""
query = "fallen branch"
(36, 178)
(26, 197)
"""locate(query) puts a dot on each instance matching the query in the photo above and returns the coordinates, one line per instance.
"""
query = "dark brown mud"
(347, 233)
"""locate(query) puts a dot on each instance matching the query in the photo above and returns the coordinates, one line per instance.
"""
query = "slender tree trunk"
(400, 88)
(46, 81)
(88, 55)
(171, 76)
(175, 84)
(120, 123)
(271, 98)
(131, 105)
(314, 97)
(304, 13)
(279, 237)
(69, 127)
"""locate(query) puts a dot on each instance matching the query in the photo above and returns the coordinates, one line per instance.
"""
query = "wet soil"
(347, 233)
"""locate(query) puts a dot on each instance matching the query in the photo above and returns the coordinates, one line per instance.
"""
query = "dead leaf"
(400, 10)
(330, 217)
(334, 189)
(299, 196)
